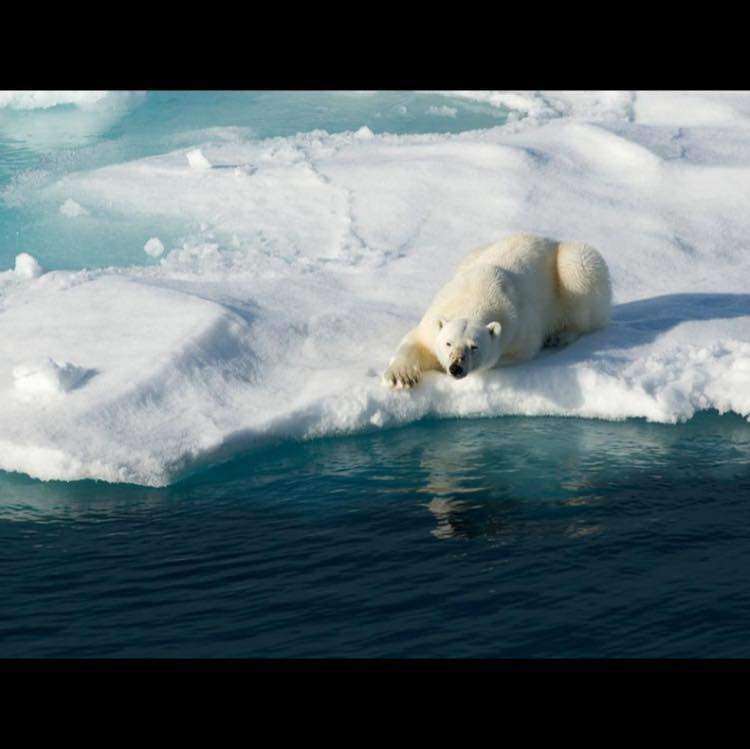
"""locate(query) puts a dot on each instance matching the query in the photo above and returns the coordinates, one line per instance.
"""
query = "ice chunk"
(197, 160)
(443, 111)
(154, 247)
(27, 266)
(72, 209)
(48, 378)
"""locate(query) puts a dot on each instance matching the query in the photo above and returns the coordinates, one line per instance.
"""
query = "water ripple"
(507, 537)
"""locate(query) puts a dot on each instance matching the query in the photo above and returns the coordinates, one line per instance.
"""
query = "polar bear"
(505, 302)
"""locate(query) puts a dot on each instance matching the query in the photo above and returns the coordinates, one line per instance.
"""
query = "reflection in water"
(504, 537)
(480, 478)
(476, 477)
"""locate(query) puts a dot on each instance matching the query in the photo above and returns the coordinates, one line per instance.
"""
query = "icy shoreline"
(306, 258)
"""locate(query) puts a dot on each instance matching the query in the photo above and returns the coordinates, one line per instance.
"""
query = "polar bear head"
(464, 346)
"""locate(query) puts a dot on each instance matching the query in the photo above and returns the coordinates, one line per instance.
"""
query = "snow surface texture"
(317, 252)
(48, 378)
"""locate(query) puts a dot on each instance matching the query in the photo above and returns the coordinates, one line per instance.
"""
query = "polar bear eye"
(473, 347)
(447, 344)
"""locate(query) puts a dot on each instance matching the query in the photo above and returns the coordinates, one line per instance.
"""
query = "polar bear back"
(496, 282)
(569, 280)
(519, 254)
(532, 285)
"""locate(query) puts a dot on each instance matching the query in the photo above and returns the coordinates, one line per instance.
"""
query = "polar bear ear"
(439, 322)
(494, 328)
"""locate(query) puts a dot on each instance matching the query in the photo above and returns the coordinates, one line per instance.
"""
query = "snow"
(197, 160)
(306, 259)
(27, 266)
(153, 352)
(47, 378)
(154, 247)
(47, 99)
(71, 209)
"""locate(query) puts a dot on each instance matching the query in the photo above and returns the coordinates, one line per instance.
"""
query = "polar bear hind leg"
(585, 291)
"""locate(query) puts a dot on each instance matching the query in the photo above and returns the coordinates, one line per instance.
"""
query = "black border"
(534, 53)
(384, 665)
(340, 48)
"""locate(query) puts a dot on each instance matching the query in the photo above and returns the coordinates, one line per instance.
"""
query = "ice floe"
(306, 258)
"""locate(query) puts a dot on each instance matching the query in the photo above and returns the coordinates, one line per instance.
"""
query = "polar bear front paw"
(400, 375)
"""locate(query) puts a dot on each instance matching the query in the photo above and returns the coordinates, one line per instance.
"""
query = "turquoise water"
(40, 144)
(497, 537)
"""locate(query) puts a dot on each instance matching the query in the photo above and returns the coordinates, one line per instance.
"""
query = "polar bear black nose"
(456, 370)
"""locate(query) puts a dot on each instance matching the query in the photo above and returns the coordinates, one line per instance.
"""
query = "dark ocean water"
(505, 537)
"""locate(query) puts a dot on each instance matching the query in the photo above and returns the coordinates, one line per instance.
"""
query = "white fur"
(505, 301)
